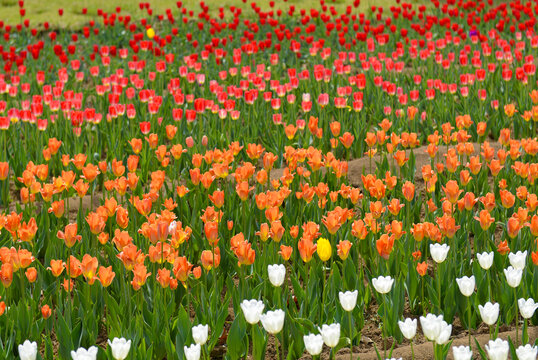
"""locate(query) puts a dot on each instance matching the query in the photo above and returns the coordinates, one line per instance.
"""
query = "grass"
(40, 11)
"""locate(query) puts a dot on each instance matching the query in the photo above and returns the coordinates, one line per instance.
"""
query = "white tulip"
(517, 260)
(462, 352)
(466, 285)
(439, 252)
(28, 350)
(313, 344)
(200, 334)
(527, 307)
(435, 328)
(330, 334)
(485, 259)
(444, 335)
(513, 276)
(277, 274)
(383, 284)
(489, 313)
(120, 348)
(252, 309)
(348, 299)
(527, 352)
(498, 349)
(83, 354)
(273, 321)
(192, 352)
(408, 327)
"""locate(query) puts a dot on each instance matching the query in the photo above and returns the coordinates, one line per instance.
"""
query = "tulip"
(28, 350)
(462, 352)
(489, 313)
(408, 327)
(466, 285)
(348, 299)
(252, 310)
(517, 260)
(513, 276)
(498, 349)
(527, 307)
(485, 260)
(383, 284)
(273, 321)
(439, 252)
(527, 352)
(435, 328)
(330, 334)
(313, 344)
(192, 352)
(200, 334)
(120, 348)
(83, 354)
(277, 274)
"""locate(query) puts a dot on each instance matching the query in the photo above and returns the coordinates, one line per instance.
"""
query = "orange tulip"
(211, 230)
(89, 267)
(307, 248)
(182, 268)
(96, 223)
(422, 268)
(384, 246)
(106, 275)
(485, 219)
(512, 227)
(163, 278)
(408, 190)
(210, 259)
(6, 274)
(130, 255)
(245, 254)
(285, 252)
(4, 170)
(46, 312)
(56, 267)
(277, 231)
(507, 198)
(31, 274)
(140, 276)
(503, 248)
(343, 248)
(69, 235)
(452, 191)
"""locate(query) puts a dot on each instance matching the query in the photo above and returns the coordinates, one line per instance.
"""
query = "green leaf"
(236, 338)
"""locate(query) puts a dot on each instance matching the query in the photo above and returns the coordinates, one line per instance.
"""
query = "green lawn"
(39, 11)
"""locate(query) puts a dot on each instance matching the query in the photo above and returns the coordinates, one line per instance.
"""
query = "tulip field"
(326, 180)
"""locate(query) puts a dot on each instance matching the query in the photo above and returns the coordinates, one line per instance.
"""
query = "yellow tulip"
(150, 33)
(324, 249)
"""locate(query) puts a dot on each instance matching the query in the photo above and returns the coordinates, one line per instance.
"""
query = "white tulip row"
(120, 349)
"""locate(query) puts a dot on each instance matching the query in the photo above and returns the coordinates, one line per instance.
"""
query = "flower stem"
(350, 337)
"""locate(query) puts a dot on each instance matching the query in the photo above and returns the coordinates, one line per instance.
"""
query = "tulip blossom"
(273, 321)
(200, 334)
(277, 274)
(252, 310)
(28, 350)
(313, 344)
(497, 349)
(330, 334)
(120, 348)
(489, 313)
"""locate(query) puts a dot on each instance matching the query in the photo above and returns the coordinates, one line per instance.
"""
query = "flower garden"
(271, 181)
